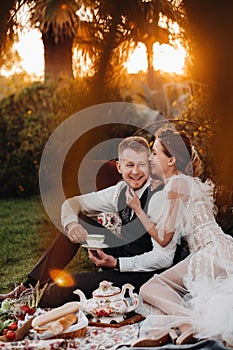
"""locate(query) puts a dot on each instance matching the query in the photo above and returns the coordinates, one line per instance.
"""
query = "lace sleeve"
(176, 207)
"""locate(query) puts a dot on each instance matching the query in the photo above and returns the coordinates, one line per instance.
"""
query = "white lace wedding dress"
(199, 289)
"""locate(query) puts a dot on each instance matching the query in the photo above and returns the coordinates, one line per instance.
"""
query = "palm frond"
(56, 16)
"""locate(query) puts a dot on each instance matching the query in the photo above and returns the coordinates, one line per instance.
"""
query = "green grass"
(25, 233)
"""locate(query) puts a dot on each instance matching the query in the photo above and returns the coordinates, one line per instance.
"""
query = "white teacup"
(95, 240)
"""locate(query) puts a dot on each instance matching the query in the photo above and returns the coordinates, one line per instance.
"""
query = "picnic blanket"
(105, 338)
(209, 344)
(96, 338)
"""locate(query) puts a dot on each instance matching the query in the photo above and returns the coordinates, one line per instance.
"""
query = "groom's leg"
(59, 254)
(56, 256)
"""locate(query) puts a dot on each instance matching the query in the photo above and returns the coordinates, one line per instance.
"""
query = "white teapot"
(108, 303)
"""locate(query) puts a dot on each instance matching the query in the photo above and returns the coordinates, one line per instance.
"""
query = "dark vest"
(135, 240)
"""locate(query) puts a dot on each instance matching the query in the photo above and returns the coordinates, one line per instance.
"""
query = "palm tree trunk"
(6, 7)
(150, 65)
(103, 75)
(57, 57)
(155, 83)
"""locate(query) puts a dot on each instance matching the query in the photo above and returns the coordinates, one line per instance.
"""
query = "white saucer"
(85, 245)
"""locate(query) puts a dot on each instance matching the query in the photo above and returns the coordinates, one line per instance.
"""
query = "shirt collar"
(140, 191)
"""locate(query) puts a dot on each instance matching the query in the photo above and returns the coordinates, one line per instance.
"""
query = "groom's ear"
(118, 165)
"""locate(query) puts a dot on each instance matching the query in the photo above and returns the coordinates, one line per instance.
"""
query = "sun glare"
(137, 60)
(62, 278)
(30, 49)
(169, 59)
(166, 58)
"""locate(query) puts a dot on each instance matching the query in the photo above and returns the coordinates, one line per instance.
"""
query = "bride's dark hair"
(177, 144)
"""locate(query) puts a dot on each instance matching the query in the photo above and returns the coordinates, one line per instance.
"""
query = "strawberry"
(26, 310)
(13, 326)
(10, 335)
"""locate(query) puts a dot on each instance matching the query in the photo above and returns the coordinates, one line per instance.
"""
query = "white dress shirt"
(103, 201)
(107, 201)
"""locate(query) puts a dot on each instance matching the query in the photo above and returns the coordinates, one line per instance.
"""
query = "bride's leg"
(165, 291)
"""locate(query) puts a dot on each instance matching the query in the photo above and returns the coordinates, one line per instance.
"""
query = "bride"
(193, 299)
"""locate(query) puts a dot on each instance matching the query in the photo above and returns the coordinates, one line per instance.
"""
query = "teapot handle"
(134, 305)
(132, 295)
(130, 289)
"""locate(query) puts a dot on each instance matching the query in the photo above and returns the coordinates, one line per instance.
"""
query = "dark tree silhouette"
(210, 25)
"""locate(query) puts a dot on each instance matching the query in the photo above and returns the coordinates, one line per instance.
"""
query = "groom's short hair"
(136, 143)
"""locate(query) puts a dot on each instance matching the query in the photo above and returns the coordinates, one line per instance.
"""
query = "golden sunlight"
(30, 49)
(167, 58)
(62, 278)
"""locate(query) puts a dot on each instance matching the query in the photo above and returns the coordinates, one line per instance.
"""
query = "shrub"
(27, 120)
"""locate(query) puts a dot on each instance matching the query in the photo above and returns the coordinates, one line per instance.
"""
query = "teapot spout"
(83, 300)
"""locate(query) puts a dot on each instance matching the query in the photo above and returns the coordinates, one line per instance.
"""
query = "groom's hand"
(76, 232)
(101, 259)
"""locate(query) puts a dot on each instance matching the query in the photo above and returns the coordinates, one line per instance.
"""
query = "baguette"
(55, 314)
(58, 327)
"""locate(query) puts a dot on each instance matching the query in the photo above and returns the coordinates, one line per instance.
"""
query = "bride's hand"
(133, 201)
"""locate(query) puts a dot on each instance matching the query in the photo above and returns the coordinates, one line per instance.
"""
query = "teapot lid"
(106, 290)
